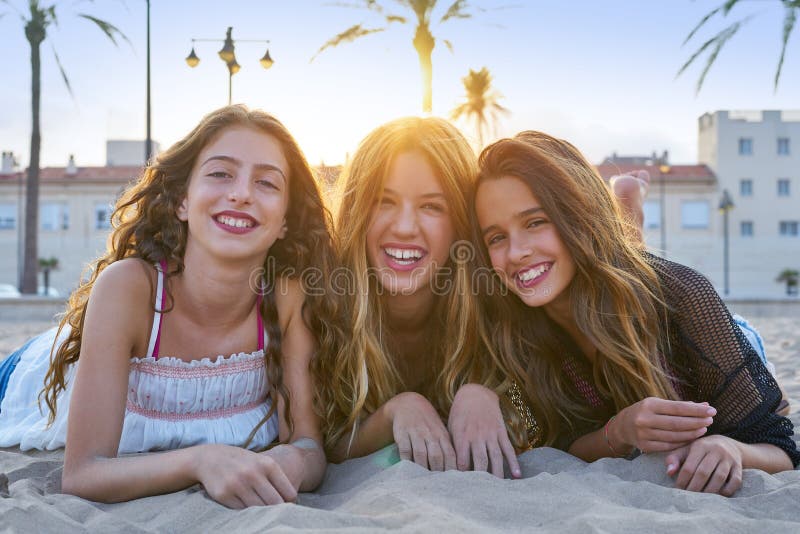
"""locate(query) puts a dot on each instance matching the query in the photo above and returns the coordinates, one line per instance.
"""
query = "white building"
(756, 158)
(691, 225)
(123, 152)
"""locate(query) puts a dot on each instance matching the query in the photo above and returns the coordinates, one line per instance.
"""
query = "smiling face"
(410, 233)
(237, 196)
(524, 246)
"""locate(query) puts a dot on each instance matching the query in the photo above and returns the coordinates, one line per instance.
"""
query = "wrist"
(613, 432)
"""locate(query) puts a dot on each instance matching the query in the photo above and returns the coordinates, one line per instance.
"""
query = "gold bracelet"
(531, 427)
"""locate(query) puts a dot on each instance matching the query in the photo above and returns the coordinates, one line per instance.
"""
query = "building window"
(652, 214)
(789, 228)
(8, 216)
(694, 214)
(747, 228)
(746, 187)
(745, 146)
(54, 216)
(783, 146)
(102, 216)
(783, 187)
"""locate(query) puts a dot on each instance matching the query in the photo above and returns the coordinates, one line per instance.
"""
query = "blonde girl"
(408, 280)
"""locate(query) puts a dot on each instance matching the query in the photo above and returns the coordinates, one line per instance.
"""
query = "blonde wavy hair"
(145, 225)
(362, 374)
(615, 296)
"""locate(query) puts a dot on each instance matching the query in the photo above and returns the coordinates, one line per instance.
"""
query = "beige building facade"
(74, 213)
(755, 156)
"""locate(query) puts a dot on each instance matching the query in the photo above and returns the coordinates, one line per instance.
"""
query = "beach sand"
(558, 493)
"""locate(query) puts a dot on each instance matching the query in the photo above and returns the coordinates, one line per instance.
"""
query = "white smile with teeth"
(530, 274)
(404, 256)
(234, 222)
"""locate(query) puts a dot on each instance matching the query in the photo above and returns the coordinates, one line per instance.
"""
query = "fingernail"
(517, 473)
(712, 412)
(671, 467)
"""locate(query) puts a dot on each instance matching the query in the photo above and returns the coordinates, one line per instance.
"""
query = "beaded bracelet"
(605, 436)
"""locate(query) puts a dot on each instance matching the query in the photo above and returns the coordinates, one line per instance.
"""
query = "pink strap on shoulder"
(162, 282)
(260, 323)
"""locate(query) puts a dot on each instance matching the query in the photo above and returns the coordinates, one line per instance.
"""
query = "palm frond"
(396, 18)
(13, 7)
(111, 31)
(349, 35)
(457, 10)
(725, 8)
(788, 25)
(715, 43)
(63, 72)
(449, 45)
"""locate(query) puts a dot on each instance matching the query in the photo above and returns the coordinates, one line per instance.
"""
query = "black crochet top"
(711, 360)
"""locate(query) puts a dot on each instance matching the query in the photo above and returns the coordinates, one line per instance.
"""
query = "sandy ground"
(558, 493)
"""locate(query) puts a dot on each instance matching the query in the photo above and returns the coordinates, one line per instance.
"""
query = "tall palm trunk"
(423, 44)
(35, 34)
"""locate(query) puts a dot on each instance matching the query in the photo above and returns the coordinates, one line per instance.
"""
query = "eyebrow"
(520, 215)
(426, 195)
(237, 162)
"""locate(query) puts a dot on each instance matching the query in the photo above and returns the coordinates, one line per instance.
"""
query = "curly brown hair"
(145, 225)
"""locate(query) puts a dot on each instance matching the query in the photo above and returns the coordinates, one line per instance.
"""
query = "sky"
(600, 73)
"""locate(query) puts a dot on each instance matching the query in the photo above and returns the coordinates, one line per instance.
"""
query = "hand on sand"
(712, 464)
(479, 432)
(239, 478)
(419, 432)
(659, 425)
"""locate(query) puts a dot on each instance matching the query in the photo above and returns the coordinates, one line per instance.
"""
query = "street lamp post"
(663, 170)
(148, 142)
(228, 54)
(725, 206)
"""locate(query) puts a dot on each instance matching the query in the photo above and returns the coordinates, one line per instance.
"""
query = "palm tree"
(714, 45)
(791, 278)
(46, 265)
(423, 41)
(480, 105)
(39, 19)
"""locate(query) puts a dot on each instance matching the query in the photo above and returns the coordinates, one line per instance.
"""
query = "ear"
(183, 211)
(284, 229)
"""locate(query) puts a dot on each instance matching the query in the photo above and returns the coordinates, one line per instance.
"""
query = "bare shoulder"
(123, 295)
(289, 299)
(132, 279)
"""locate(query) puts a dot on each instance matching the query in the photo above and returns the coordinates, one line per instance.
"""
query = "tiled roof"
(700, 174)
(122, 174)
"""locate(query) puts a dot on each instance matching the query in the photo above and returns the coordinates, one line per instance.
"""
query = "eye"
(385, 201)
(494, 239)
(220, 174)
(269, 184)
(433, 206)
(535, 223)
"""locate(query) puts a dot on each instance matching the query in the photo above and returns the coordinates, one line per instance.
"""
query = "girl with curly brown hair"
(203, 260)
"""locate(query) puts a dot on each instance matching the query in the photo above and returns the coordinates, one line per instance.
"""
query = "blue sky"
(600, 73)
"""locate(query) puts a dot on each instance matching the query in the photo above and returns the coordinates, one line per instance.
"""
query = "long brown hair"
(615, 295)
(145, 225)
(363, 374)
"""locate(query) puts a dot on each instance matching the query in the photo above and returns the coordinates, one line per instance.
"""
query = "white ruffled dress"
(170, 403)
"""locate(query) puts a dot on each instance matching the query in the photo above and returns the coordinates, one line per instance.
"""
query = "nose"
(241, 190)
(405, 221)
(520, 248)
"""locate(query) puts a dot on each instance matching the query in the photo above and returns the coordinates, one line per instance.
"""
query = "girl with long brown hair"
(619, 351)
(203, 260)
(417, 354)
